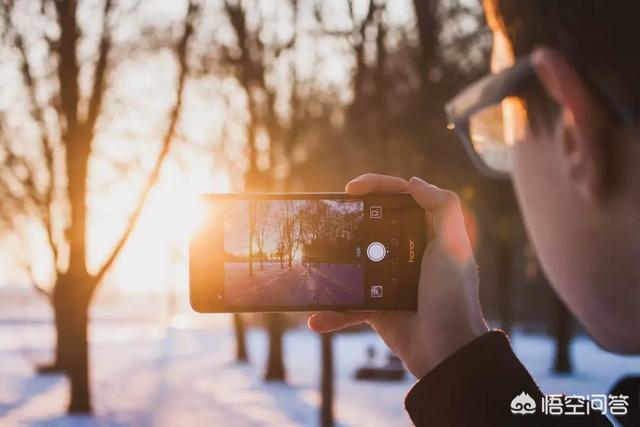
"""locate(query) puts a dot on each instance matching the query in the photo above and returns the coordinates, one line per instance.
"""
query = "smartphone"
(306, 252)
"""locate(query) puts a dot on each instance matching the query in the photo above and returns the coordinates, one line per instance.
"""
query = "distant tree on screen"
(253, 219)
(48, 183)
(280, 244)
(262, 228)
(289, 231)
(290, 222)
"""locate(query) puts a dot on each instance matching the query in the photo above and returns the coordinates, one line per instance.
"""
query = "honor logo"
(412, 251)
(523, 404)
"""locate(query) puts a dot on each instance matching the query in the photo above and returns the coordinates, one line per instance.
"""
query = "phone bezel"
(203, 295)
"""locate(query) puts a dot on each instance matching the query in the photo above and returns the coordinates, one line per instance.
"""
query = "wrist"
(428, 355)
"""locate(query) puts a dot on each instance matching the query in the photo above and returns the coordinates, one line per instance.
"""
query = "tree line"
(319, 231)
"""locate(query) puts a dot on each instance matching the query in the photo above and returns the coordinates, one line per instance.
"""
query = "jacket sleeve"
(475, 387)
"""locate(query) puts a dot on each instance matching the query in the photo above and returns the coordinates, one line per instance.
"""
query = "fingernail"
(310, 322)
(351, 183)
(417, 180)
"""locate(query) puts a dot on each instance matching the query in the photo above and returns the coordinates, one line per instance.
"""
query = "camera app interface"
(325, 252)
(293, 252)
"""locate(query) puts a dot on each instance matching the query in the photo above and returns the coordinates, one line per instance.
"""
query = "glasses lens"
(494, 130)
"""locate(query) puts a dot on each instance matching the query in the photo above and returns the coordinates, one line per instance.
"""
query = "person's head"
(576, 170)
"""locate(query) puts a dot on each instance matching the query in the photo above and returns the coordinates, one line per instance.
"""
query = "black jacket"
(475, 387)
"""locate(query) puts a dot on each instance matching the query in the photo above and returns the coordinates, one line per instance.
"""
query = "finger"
(376, 183)
(447, 219)
(330, 321)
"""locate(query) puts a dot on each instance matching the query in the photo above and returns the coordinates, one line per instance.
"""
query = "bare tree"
(253, 219)
(289, 232)
(56, 180)
(280, 245)
(286, 242)
(326, 381)
(242, 355)
(313, 216)
(562, 331)
(262, 228)
(275, 370)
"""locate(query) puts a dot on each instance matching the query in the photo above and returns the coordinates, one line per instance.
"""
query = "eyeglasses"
(490, 118)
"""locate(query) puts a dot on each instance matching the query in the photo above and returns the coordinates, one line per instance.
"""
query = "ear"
(583, 122)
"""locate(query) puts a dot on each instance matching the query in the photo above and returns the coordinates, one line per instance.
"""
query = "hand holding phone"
(449, 314)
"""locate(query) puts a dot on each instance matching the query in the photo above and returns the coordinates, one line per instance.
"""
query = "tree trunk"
(77, 365)
(71, 306)
(562, 332)
(241, 345)
(275, 366)
(326, 381)
(504, 264)
(57, 365)
(428, 30)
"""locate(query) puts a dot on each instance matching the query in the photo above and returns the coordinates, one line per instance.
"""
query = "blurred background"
(114, 114)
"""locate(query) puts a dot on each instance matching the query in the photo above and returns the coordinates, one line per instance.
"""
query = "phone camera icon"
(376, 291)
(376, 251)
(375, 212)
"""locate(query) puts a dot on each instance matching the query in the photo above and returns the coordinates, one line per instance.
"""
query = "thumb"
(329, 321)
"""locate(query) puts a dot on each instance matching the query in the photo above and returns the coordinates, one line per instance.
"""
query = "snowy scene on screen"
(293, 252)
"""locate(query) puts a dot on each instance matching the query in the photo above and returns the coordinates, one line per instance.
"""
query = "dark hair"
(601, 38)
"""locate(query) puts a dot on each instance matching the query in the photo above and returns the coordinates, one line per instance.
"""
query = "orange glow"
(155, 258)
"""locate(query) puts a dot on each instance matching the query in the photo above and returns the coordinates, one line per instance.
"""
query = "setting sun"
(156, 253)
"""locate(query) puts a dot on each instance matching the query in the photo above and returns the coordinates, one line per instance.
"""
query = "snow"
(146, 373)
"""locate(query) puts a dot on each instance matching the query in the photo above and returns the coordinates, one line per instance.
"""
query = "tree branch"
(43, 203)
(181, 53)
(97, 93)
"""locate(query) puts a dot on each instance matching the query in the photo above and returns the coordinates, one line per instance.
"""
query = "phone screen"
(310, 252)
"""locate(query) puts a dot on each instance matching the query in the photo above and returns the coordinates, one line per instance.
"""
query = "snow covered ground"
(147, 374)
